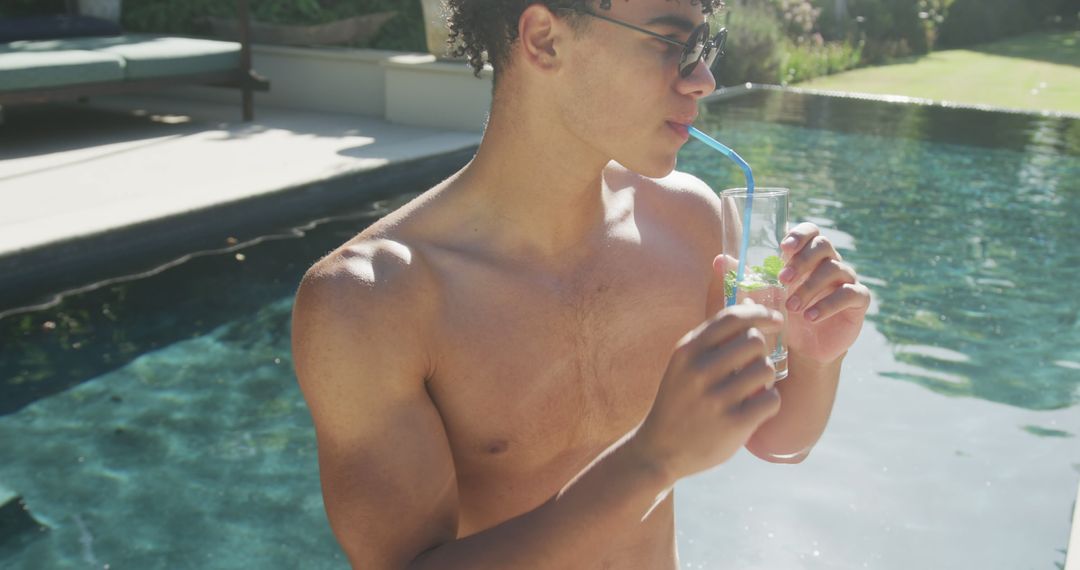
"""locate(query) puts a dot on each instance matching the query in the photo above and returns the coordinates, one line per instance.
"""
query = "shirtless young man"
(512, 370)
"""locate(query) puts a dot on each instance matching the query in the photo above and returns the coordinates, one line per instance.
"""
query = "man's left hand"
(826, 304)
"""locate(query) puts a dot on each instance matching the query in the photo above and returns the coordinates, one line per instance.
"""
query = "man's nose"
(700, 82)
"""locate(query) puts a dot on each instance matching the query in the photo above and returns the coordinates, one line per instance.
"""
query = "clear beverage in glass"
(760, 281)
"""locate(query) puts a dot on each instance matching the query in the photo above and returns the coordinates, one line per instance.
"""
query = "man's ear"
(538, 32)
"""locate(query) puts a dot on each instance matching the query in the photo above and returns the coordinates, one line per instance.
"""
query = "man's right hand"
(715, 393)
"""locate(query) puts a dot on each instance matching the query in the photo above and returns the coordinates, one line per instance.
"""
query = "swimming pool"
(155, 423)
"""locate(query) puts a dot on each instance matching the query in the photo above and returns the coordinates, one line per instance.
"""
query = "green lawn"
(1036, 72)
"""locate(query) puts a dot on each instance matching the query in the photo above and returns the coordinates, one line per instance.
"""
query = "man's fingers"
(847, 296)
(802, 264)
(723, 327)
(760, 406)
(736, 319)
(723, 263)
(797, 238)
(746, 381)
(825, 278)
(736, 354)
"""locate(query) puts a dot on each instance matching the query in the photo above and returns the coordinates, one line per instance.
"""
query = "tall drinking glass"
(760, 279)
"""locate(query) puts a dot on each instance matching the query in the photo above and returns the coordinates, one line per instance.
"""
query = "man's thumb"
(723, 263)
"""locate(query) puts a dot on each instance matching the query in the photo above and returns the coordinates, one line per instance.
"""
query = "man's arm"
(806, 399)
(826, 308)
(387, 473)
(816, 347)
(385, 461)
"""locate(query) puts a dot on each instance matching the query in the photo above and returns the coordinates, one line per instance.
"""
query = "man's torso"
(535, 372)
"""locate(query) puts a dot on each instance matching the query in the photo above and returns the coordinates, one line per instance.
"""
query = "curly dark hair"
(483, 30)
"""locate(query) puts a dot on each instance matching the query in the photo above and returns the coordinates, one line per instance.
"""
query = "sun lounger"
(68, 68)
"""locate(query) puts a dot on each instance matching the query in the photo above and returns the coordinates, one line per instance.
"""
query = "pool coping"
(85, 262)
(739, 90)
(147, 242)
(1072, 548)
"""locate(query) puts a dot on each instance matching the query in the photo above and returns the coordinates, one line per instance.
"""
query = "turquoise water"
(156, 423)
(969, 241)
(953, 443)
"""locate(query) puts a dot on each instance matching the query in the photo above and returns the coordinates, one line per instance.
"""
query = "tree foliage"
(976, 21)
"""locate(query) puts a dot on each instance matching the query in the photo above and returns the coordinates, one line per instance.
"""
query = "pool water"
(953, 443)
(155, 423)
(965, 230)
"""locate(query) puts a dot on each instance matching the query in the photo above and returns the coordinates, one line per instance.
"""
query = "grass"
(1033, 72)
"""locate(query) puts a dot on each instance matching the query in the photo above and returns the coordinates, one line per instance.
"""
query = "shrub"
(15, 8)
(169, 17)
(799, 17)
(887, 28)
(775, 41)
(754, 48)
(975, 21)
(403, 32)
(891, 28)
(808, 60)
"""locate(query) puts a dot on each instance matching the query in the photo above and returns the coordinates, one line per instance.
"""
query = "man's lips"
(680, 129)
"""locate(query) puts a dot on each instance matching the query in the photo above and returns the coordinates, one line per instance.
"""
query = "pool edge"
(1072, 548)
(739, 90)
(33, 275)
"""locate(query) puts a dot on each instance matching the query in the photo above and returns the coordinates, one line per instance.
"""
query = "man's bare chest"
(532, 370)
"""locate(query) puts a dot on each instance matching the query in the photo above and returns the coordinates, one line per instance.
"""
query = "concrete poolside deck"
(117, 173)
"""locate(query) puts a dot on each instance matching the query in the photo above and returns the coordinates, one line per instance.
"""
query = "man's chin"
(654, 169)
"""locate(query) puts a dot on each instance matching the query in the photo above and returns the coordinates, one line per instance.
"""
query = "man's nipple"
(497, 446)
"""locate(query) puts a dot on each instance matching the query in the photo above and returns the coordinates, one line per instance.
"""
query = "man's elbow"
(773, 456)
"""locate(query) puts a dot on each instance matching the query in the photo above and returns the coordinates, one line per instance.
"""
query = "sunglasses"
(699, 47)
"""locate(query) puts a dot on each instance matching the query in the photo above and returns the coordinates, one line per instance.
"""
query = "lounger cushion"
(57, 26)
(52, 63)
(150, 56)
(28, 69)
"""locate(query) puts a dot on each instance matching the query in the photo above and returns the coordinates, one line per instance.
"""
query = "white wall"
(411, 89)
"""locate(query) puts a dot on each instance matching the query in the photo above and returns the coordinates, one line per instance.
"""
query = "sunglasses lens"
(715, 51)
(711, 58)
(695, 46)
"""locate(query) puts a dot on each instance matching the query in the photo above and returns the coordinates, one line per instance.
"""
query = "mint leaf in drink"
(773, 265)
(752, 282)
(751, 286)
(757, 277)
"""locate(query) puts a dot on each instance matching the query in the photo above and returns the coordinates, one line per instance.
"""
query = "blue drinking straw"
(717, 145)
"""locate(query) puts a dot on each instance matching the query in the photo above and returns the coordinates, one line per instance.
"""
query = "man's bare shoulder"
(373, 277)
(383, 266)
(373, 298)
(676, 198)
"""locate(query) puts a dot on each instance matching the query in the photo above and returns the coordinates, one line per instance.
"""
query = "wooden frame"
(243, 78)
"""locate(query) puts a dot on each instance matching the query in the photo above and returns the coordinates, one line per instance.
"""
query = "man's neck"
(540, 189)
